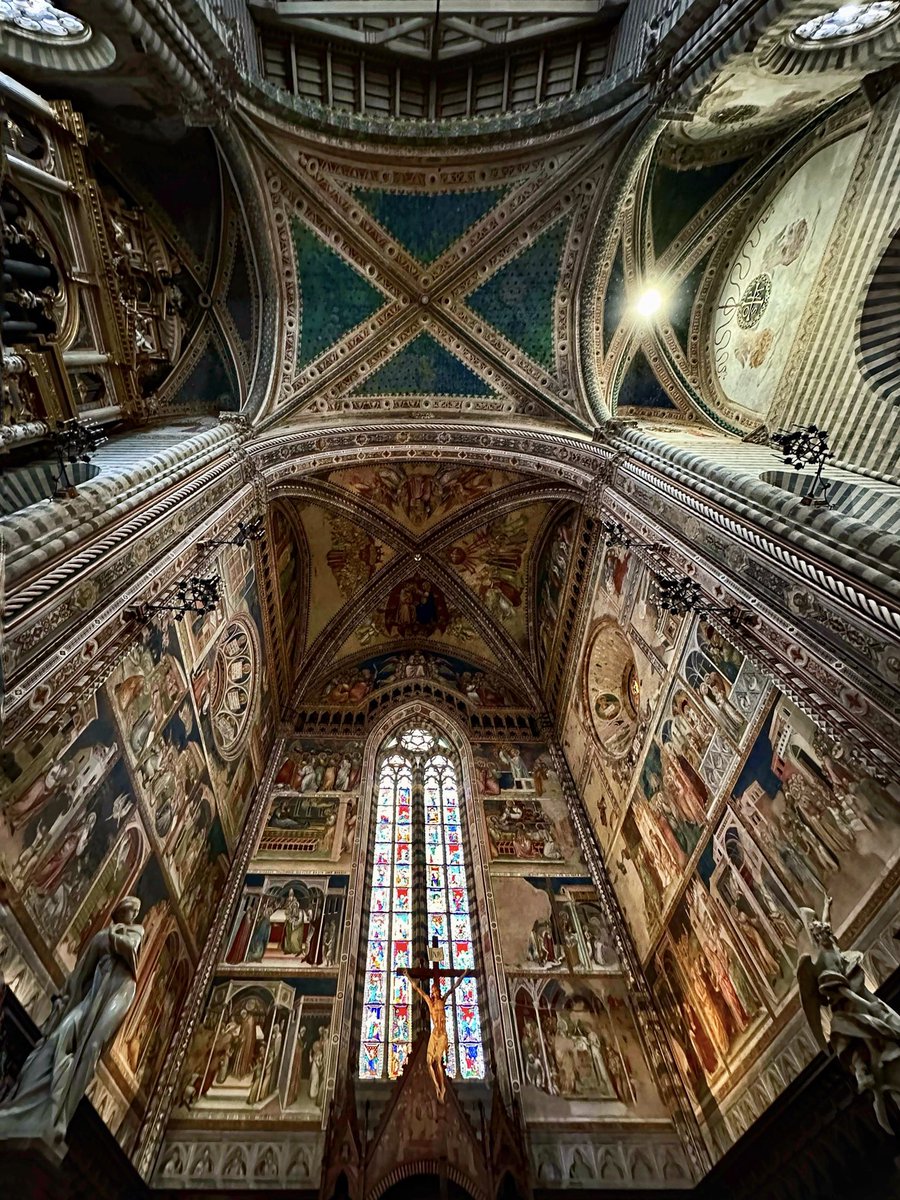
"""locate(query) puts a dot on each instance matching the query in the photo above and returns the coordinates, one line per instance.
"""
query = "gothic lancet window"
(419, 895)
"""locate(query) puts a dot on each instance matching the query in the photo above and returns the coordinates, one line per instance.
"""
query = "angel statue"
(85, 1017)
(864, 1031)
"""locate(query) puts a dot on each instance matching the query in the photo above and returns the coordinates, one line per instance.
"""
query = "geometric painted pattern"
(518, 299)
(334, 297)
(423, 368)
(640, 388)
(427, 224)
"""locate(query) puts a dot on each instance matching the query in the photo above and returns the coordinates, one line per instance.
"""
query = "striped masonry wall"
(879, 326)
(871, 501)
(825, 384)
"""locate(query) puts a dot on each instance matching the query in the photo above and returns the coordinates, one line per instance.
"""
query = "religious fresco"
(552, 925)
(166, 968)
(416, 607)
(524, 810)
(580, 1052)
(481, 688)
(701, 724)
(612, 689)
(821, 825)
(550, 581)
(260, 1052)
(289, 921)
(739, 814)
(20, 972)
(419, 495)
(291, 560)
(493, 562)
(193, 743)
(623, 665)
(143, 792)
(771, 276)
(306, 826)
(343, 559)
(313, 810)
(319, 766)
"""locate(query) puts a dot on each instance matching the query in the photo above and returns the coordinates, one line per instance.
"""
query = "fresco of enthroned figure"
(289, 920)
(580, 1051)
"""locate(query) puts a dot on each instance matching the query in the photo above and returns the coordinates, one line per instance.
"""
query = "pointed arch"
(418, 713)
(419, 895)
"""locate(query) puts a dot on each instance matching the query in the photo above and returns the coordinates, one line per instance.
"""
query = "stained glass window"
(39, 17)
(419, 895)
(850, 22)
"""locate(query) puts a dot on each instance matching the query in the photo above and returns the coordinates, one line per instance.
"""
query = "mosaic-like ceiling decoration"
(446, 289)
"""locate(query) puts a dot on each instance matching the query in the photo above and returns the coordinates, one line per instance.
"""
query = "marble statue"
(96, 997)
(864, 1031)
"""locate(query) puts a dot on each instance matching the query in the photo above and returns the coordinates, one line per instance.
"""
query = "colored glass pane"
(377, 958)
(402, 956)
(375, 987)
(399, 1055)
(378, 925)
(399, 1023)
(435, 877)
(371, 1060)
(386, 1029)
(460, 927)
(472, 1064)
(437, 925)
(468, 992)
(373, 1022)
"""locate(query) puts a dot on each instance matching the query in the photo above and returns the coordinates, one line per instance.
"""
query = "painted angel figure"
(865, 1032)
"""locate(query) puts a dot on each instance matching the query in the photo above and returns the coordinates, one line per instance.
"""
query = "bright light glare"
(649, 302)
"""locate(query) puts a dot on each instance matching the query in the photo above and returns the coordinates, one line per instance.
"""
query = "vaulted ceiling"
(452, 560)
(444, 288)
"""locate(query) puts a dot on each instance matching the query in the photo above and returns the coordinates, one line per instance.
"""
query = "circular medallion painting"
(234, 685)
(612, 689)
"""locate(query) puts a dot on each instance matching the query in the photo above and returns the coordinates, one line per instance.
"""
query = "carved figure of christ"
(437, 1011)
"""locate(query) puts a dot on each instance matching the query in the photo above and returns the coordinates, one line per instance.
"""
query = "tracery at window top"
(849, 22)
(39, 18)
(418, 806)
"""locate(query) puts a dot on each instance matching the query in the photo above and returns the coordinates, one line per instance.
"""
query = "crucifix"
(436, 1001)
